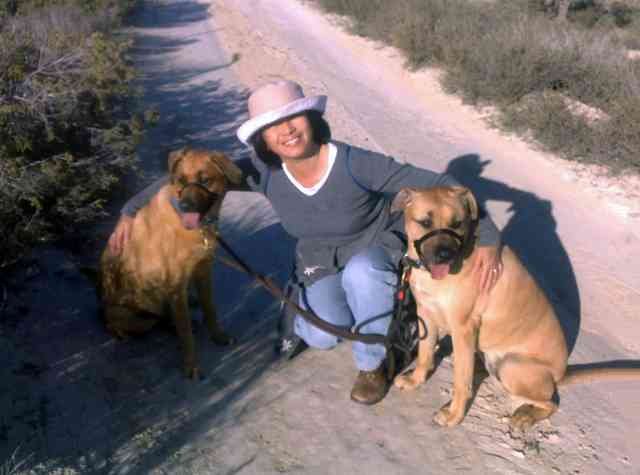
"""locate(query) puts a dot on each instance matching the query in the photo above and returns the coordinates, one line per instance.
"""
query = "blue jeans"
(362, 292)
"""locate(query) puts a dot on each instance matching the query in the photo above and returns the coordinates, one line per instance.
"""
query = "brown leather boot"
(370, 386)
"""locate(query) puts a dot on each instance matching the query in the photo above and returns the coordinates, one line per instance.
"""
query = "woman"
(335, 199)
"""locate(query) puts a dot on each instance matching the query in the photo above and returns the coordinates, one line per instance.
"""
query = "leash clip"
(208, 241)
(404, 283)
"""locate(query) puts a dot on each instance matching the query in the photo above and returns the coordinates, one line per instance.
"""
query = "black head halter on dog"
(181, 207)
(187, 206)
(462, 250)
(183, 186)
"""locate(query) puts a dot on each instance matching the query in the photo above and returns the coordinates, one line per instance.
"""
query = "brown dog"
(172, 244)
(514, 326)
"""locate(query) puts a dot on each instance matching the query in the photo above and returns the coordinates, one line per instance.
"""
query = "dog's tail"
(618, 370)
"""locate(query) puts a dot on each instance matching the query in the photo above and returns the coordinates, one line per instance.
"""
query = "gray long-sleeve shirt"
(348, 214)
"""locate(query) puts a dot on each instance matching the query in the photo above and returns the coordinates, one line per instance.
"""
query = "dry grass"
(541, 73)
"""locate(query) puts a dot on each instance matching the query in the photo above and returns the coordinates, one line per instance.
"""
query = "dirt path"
(578, 231)
(77, 400)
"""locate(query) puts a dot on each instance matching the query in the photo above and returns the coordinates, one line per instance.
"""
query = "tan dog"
(171, 246)
(514, 326)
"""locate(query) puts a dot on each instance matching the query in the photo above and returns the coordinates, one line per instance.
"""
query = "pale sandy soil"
(74, 400)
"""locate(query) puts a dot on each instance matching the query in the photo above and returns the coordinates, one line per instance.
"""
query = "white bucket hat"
(275, 101)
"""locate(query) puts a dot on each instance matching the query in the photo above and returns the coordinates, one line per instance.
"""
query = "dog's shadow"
(531, 232)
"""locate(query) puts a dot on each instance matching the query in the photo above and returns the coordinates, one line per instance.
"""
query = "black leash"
(404, 331)
(267, 283)
(406, 328)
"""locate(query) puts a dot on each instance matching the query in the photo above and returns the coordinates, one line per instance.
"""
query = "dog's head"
(440, 224)
(200, 179)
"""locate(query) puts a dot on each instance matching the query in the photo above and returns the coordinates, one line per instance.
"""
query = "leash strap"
(267, 283)
(406, 328)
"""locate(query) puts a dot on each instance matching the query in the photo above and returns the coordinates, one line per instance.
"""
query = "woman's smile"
(291, 138)
(293, 141)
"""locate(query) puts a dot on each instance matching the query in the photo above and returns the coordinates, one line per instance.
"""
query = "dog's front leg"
(424, 363)
(204, 287)
(464, 345)
(182, 321)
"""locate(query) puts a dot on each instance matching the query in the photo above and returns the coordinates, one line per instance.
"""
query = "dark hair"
(320, 134)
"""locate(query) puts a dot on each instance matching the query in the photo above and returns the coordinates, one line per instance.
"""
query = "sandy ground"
(74, 400)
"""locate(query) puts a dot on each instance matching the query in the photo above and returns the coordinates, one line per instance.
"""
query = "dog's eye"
(183, 181)
(426, 223)
(205, 181)
(456, 224)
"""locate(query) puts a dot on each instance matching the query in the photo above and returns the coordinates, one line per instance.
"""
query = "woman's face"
(291, 138)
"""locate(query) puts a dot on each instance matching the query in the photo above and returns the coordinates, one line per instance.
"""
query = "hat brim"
(250, 127)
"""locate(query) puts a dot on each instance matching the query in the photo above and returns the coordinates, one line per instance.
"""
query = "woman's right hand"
(121, 234)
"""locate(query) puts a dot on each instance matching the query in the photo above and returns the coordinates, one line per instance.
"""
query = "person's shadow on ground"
(531, 234)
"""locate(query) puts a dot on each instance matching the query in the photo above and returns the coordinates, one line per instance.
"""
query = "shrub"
(587, 13)
(367, 20)
(24, 7)
(66, 130)
(622, 14)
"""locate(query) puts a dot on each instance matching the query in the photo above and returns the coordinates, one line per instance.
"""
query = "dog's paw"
(446, 418)
(222, 339)
(525, 417)
(407, 381)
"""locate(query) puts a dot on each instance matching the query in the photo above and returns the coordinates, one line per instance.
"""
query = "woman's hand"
(488, 267)
(120, 235)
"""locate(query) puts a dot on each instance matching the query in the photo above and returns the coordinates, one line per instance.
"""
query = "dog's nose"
(444, 254)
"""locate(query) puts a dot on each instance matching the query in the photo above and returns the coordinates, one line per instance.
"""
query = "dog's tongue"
(439, 271)
(190, 220)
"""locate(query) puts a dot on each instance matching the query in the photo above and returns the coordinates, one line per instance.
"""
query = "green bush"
(25, 7)
(66, 128)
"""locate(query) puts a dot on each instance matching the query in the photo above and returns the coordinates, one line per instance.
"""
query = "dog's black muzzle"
(196, 198)
(442, 254)
(454, 252)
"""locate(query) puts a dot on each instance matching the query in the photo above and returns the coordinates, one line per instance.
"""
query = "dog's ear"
(466, 197)
(174, 159)
(230, 169)
(402, 199)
